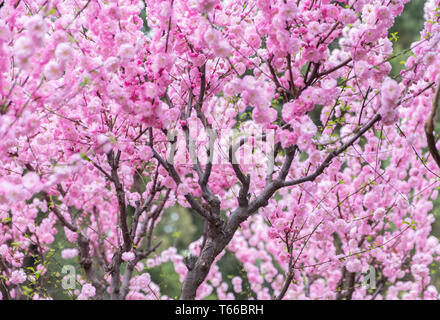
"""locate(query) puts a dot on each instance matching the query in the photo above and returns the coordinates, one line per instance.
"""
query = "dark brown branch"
(334, 154)
(243, 178)
(202, 86)
(189, 197)
(339, 66)
(97, 166)
(120, 194)
(86, 263)
(380, 287)
(351, 285)
(429, 128)
(3, 287)
(58, 214)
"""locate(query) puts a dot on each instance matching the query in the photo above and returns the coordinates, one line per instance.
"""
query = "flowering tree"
(275, 121)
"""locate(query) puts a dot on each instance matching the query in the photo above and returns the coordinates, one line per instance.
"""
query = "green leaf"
(52, 11)
(84, 83)
(85, 157)
(176, 234)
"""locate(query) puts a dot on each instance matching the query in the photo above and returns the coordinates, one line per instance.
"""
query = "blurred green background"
(406, 29)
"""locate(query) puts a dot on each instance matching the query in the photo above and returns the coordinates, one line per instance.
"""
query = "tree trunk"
(198, 271)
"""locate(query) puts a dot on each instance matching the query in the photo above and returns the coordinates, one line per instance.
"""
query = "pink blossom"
(64, 52)
(308, 129)
(206, 5)
(103, 142)
(354, 265)
(390, 90)
(112, 64)
(5, 33)
(53, 70)
(429, 58)
(264, 115)
(379, 213)
(87, 291)
(347, 16)
(183, 189)
(18, 276)
(69, 253)
(24, 47)
(36, 26)
(128, 256)
(126, 51)
(31, 181)
(145, 153)
(288, 10)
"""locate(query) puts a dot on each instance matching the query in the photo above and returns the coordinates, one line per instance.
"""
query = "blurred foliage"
(178, 227)
(167, 279)
(405, 31)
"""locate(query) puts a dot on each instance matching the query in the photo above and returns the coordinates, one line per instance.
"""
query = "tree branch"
(429, 128)
(334, 154)
(120, 193)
